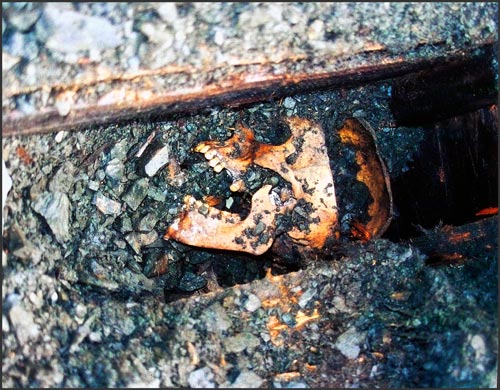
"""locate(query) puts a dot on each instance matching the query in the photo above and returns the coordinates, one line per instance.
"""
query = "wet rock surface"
(94, 297)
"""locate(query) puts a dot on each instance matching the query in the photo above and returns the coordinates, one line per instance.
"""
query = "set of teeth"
(211, 155)
(215, 161)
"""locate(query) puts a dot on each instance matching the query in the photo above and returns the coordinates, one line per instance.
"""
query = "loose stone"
(106, 205)
(157, 161)
(55, 208)
(136, 193)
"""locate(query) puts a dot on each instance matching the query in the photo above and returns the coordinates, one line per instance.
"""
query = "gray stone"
(126, 224)
(95, 337)
(64, 102)
(106, 205)
(203, 209)
(216, 318)
(240, 342)
(289, 103)
(82, 332)
(247, 380)
(348, 343)
(253, 303)
(22, 45)
(93, 185)
(5, 325)
(291, 385)
(157, 194)
(138, 240)
(100, 174)
(157, 161)
(22, 248)
(168, 12)
(147, 223)
(203, 378)
(259, 228)
(9, 61)
(191, 282)
(70, 32)
(479, 346)
(115, 170)
(159, 35)
(6, 185)
(306, 297)
(23, 324)
(63, 179)
(136, 193)
(119, 151)
(25, 19)
(55, 208)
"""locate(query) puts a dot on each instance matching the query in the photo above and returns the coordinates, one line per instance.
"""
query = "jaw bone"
(207, 227)
(302, 160)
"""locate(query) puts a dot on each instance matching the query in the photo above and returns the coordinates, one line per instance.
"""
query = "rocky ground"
(93, 296)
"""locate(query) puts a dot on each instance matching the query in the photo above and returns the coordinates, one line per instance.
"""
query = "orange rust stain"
(487, 211)
(445, 259)
(400, 295)
(84, 61)
(273, 278)
(193, 354)
(378, 355)
(372, 173)
(287, 376)
(459, 237)
(212, 200)
(223, 362)
(23, 154)
(286, 301)
(275, 326)
(173, 169)
(310, 367)
(267, 303)
(302, 318)
(360, 232)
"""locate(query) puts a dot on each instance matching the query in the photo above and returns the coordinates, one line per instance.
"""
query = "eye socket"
(279, 133)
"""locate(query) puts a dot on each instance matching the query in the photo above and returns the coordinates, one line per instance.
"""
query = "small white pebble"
(54, 297)
(253, 303)
(95, 337)
(60, 136)
(219, 37)
(64, 102)
(5, 324)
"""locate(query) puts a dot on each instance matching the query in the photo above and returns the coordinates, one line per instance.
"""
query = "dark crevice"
(454, 175)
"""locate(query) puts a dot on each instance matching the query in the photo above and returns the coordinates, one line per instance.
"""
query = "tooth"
(213, 162)
(238, 185)
(201, 148)
(218, 168)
